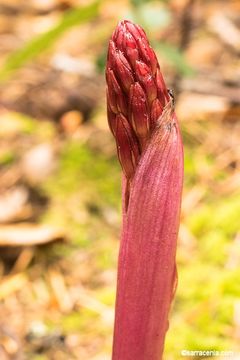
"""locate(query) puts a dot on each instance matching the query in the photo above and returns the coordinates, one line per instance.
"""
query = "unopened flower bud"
(116, 95)
(111, 54)
(111, 118)
(127, 148)
(123, 70)
(143, 73)
(156, 112)
(139, 116)
(132, 50)
(161, 88)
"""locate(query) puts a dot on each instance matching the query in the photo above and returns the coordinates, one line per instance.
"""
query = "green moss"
(7, 157)
(189, 166)
(218, 215)
(214, 247)
(104, 258)
(107, 296)
(83, 170)
(38, 357)
(230, 284)
(78, 321)
(83, 186)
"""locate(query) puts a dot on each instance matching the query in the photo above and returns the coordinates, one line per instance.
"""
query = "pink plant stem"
(142, 119)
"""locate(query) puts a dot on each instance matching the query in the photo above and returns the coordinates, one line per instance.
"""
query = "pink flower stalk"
(142, 119)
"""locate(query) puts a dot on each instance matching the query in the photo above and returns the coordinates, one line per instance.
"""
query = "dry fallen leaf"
(14, 205)
(12, 284)
(38, 163)
(28, 234)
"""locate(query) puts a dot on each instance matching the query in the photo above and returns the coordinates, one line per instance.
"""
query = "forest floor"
(60, 181)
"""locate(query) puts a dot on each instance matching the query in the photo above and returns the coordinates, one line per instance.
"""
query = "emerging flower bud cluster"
(136, 93)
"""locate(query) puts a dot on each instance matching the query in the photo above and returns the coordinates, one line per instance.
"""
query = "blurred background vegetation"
(60, 207)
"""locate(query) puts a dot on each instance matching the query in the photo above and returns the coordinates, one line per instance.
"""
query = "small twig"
(203, 86)
(185, 31)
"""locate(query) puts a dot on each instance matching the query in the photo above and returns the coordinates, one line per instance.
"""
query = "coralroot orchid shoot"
(142, 119)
